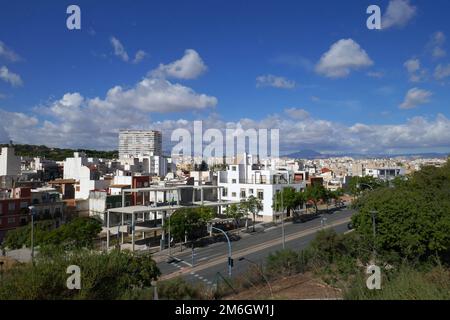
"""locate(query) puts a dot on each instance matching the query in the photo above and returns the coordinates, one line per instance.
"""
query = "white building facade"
(136, 143)
(241, 181)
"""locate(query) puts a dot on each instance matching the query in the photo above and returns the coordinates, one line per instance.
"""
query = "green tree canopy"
(412, 217)
(189, 222)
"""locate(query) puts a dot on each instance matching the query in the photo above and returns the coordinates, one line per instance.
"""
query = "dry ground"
(297, 287)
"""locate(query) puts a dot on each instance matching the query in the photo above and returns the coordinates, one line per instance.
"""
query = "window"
(1, 208)
(250, 191)
(11, 206)
(108, 206)
(11, 220)
(243, 193)
(260, 194)
(233, 181)
(23, 205)
(233, 194)
(233, 168)
(225, 192)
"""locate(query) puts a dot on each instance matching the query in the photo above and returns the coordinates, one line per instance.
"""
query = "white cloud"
(190, 66)
(297, 113)
(416, 74)
(12, 78)
(375, 74)
(343, 57)
(157, 95)
(8, 53)
(140, 55)
(398, 14)
(119, 51)
(442, 71)
(75, 120)
(90, 127)
(270, 80)
(415, 97)
(435, 45)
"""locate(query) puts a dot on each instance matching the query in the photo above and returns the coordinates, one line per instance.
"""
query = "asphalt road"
(210, 260)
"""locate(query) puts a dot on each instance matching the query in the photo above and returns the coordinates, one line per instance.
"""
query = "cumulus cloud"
(8, 53)
(75, 120)
(436, 45)
(375, 74)
(415, 97)
(343, 57)
(297, 113)
(139, 56)
(10, 77)
(442, 71)
(190, 66)
(398, 14)
(416, 74)
(119, 51)
(270, 80)
(85, 127)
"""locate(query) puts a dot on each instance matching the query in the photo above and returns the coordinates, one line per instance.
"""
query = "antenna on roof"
(10, 143)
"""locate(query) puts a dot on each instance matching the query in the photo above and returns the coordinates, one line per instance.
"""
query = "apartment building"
(136, 143)
(241, 181)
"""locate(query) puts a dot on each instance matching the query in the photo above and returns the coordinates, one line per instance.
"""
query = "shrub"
(103, 276)
(178, 289)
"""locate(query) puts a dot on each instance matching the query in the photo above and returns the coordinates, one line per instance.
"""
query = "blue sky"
(254, 63)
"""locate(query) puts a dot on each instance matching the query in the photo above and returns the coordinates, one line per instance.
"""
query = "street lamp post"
(260, 271)
(32, 213)
(230, 260)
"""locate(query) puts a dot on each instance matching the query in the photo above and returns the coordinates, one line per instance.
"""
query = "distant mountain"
(311, 154)
(305, 154)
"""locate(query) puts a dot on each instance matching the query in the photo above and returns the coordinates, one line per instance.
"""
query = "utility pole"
(32, 213)
(374, 213)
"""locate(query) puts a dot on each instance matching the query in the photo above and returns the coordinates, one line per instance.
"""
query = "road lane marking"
(256, 248)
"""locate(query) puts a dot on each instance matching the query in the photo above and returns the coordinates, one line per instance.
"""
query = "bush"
(285, 263)
(178, 289)
(405, 284)
(103, 276)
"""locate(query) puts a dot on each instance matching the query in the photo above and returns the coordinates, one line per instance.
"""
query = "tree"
(189, 223)
(253, 205)
(288, 199)
(315, 193)
(412, 218)
(357, 185)
(78, 233)
(235, 212)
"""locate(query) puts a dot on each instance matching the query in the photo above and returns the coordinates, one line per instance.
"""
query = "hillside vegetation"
(57, 154)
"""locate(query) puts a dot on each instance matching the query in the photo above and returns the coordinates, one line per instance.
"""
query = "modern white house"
(241, 181)
(385, 174)
(83, 171)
